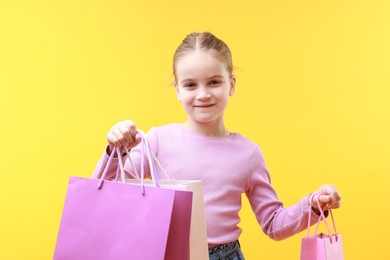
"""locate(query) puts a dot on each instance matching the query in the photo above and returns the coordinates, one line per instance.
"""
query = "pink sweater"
(227, 167)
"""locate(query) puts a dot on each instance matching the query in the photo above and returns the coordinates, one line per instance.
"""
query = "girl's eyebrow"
(212, 77)
(216, 76)
(187, 80)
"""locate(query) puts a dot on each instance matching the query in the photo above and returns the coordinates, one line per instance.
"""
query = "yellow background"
(313, 91)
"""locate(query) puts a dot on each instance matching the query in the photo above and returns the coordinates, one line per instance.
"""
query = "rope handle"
(145, 150)
(154, 163)
(322, 217)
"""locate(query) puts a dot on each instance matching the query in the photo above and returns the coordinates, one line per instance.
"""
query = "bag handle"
(119, 170)
(151, 158)
(145, 150)
(322, 217)
(102, 178)
(120, 167)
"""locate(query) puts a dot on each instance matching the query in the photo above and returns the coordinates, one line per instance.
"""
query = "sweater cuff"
(318, 213)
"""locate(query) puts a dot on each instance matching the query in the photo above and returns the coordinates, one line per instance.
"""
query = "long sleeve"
(276, 221)
(101, 165)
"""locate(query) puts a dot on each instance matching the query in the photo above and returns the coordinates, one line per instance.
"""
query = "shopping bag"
(322, 246)
(198, 245)
(104, 220)
(198, 231)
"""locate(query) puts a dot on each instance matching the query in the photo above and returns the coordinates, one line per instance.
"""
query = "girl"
(201, 148)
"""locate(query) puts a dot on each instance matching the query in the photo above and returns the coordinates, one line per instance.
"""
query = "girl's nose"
(203, 93)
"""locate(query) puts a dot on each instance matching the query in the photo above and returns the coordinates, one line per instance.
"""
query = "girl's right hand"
(123, 134)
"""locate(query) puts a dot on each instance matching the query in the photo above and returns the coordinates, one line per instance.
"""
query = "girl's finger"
(118, 138)
(126, 134)
(324, 198)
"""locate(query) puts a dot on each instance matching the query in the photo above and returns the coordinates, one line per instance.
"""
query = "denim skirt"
(229, 251)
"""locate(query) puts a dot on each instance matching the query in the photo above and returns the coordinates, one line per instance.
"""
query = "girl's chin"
(204, 120)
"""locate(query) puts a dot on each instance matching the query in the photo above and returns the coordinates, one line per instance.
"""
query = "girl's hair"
(204, 41)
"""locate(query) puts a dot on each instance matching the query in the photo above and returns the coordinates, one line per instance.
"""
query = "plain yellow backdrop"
(312, 89)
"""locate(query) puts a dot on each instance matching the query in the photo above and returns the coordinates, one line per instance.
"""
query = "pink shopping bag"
(105, 220)
(197, 246)
(198, 232)
(322, 246)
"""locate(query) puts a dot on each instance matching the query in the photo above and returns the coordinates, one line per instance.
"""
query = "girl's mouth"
(204, 105)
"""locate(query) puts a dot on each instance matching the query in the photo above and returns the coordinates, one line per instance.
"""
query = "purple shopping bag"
(105, 220)
(322, 246)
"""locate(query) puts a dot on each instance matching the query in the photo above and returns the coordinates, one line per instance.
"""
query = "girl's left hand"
(329, 197)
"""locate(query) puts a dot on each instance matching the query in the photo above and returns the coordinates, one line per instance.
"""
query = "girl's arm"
(276, 221)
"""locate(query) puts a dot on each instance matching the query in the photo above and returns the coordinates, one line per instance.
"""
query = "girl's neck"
(207, 129)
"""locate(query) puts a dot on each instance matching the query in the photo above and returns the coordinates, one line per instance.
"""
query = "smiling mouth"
(204, 106)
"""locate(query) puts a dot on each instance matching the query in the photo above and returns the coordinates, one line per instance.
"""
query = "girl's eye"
(214, 82)
(190, 85)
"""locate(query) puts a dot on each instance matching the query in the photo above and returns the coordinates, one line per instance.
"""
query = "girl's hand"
(329, 197)
(123, 134)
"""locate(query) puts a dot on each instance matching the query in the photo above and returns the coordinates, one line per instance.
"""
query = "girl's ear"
(177, 90)
(232, 85)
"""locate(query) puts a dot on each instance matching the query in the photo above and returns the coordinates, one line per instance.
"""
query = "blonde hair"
(204, 41)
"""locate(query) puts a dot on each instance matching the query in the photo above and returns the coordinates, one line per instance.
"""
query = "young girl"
(201, 148)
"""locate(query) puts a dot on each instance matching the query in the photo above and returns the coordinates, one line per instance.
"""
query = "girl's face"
(203, 85)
